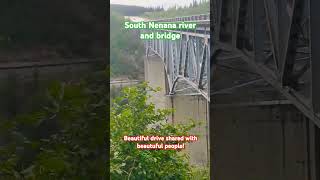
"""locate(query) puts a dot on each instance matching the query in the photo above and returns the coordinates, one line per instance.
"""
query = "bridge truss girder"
(186, 62)
(278, 40)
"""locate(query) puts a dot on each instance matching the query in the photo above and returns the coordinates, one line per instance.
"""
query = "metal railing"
(200, 17)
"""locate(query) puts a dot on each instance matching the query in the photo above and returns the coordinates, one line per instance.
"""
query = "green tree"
(132, 115)
(63, 140)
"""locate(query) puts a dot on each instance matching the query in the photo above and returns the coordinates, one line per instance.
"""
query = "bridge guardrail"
(186, 18)
(202, 21)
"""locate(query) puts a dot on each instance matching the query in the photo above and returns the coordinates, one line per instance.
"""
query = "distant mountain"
(127, 10)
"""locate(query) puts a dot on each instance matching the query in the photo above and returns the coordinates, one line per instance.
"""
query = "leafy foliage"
(132, 115)
(64, 140)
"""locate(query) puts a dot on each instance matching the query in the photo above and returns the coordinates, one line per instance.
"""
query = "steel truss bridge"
(186, 60)
(275, 43)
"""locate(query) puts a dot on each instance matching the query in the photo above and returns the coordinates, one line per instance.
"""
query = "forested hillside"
(132, 10)
(126, 49)
(202, 7)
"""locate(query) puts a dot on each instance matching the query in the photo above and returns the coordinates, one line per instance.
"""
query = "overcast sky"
(147, 3)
